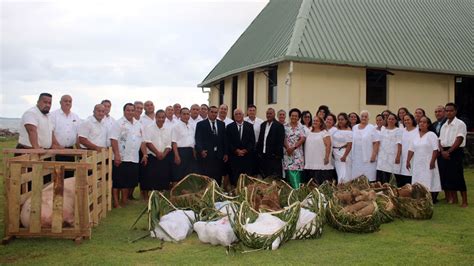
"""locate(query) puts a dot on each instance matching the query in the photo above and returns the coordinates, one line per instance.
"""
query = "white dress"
(362, 145)
(389, 141)
(315, 150)
(422, 148)
(407, 138)
(340, 138)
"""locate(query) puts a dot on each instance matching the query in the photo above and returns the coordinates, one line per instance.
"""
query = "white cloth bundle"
(305, 219)
(225, 207)
(177, 224)
(266, 224)
(216, 233)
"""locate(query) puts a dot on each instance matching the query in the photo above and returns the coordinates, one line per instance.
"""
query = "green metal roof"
(417, 35)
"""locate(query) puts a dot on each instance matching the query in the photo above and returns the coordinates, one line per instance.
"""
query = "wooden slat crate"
(27, 174)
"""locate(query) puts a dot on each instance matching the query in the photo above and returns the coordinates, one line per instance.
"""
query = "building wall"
(342, 88)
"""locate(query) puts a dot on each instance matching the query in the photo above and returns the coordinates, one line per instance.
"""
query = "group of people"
(157, 149)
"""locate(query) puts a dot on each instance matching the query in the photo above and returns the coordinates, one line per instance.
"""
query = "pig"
(47, 205)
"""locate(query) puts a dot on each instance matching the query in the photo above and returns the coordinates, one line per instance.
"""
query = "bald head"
(66, 103)
(99, 112)
(223, 109)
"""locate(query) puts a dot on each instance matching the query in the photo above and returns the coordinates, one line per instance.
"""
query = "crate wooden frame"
(24, 172)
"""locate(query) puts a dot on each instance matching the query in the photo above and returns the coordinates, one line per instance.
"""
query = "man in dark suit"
(440, 115)
(211, 146)
(270, 146)
(241, 143)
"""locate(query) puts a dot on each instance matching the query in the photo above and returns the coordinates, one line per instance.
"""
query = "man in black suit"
(241, 143)
(211, 146)
(440, 114)
(270, 146)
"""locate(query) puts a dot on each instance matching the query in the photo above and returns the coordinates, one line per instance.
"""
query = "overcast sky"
(118, 50)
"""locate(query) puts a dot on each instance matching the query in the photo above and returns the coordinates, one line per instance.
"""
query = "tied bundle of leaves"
(354, 211)
(414, 202)
(246, 180)
(312, 199)
(245, 214)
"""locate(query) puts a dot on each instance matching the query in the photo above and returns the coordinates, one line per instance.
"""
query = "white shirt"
(159, 137)
(129, 137)
(170, 123)
(256, 125)
(146, 120)
(267, 130)
(389, 140)
(315, 151)
(33, 116)
(65, 127)
(226, 121)
(193, 122)
(450, 131)
(93, 130)
(183, 135)
(109, 122)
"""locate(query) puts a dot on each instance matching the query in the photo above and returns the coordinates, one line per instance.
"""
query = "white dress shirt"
(93, 130)
(267, 130)
(146, 120)
(109, 122)
(160, 137)
(170, 123)
(256, 125)
(129, 136)
(183, 135)
(450, 131)
(44, 127)
(193, 122)
(226, 121)
(65, 127)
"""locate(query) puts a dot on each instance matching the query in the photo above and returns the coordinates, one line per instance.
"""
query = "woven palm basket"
(347, 222)
(192, 192)
(418, 206)
(313, 200)
(246, 214)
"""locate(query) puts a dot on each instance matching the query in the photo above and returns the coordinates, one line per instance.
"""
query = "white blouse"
(315, 151)
(389, 141)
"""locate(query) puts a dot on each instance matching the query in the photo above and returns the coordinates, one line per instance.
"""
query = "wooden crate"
(25, 176)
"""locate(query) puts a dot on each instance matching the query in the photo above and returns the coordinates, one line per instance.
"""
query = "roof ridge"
(298, 29)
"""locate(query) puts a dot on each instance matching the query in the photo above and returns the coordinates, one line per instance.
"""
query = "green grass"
(446, 239)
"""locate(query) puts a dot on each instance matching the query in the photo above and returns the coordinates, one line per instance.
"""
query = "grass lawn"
(446, 239)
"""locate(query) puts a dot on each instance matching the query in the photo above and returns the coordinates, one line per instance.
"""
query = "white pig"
(47, 205)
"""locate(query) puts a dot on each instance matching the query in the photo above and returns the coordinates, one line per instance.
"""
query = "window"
(250, 87)
(235, 80)
(376, 92)
(221, 92)
(272, 85)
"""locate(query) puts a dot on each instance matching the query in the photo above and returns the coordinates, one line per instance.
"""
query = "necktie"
(214, 127)
(240, 132)
(438, 128)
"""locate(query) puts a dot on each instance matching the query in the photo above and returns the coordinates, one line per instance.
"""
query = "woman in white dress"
(330, 122)
(402, 111)
(354, 119)
(306, 120)
(379, 122)
(424, 151)
(318, 153)
(341, 148)
(388, 160)
(365, 146)
(409, 132)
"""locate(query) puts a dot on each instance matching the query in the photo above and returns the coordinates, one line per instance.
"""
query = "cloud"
(114, 49)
